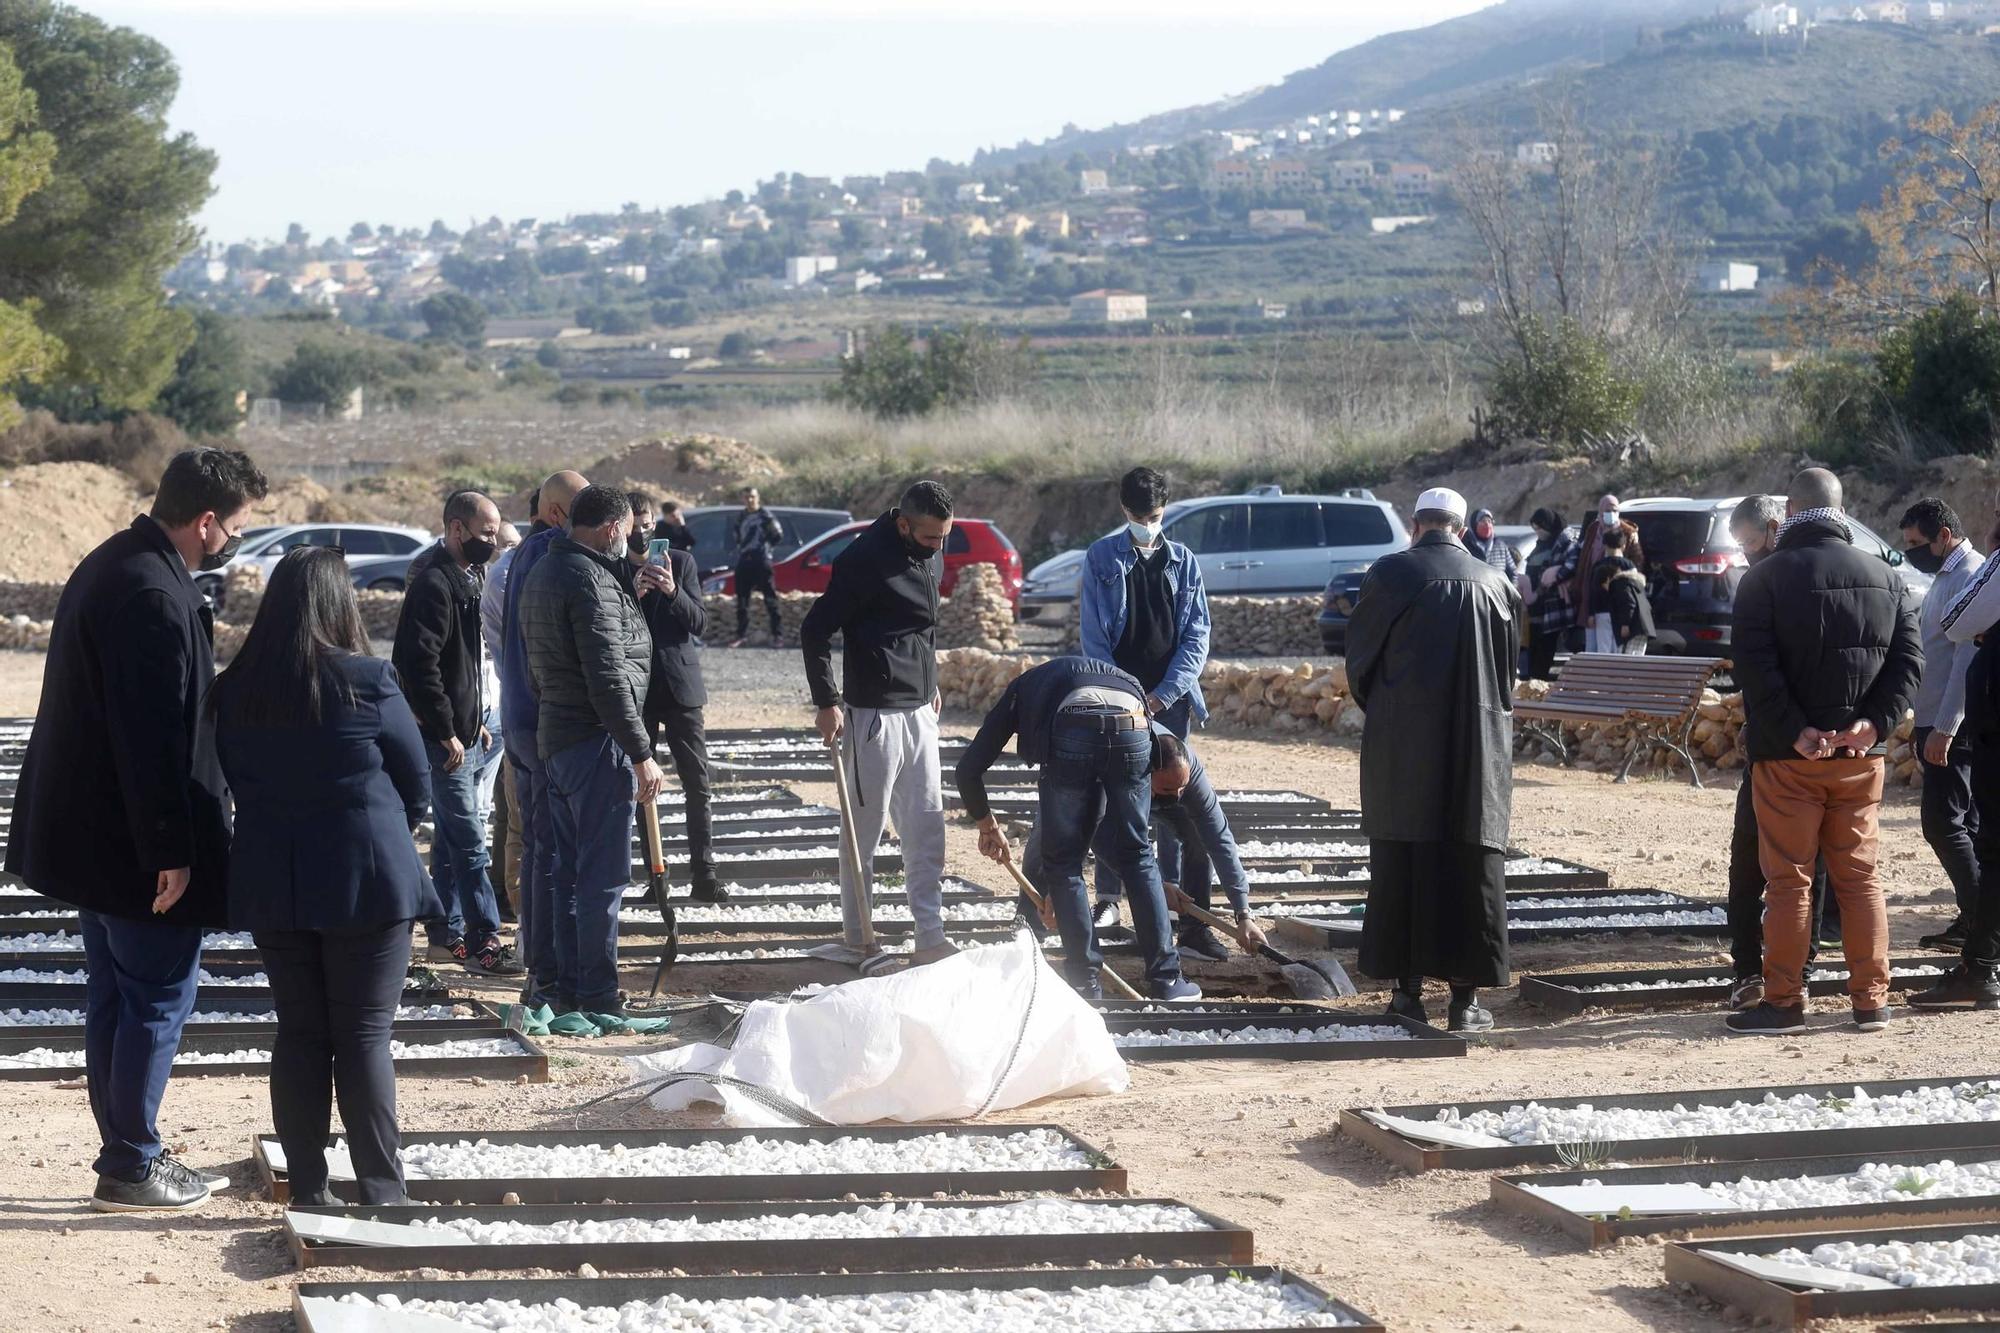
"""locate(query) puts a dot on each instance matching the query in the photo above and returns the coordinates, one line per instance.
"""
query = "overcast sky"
(405, 110)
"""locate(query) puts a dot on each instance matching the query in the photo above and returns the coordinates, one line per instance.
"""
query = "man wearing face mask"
(882, 599)
(1935, 543)
(1577, 571)
(121, 810)
(1141, 606)
(590, 655)
(437, 654)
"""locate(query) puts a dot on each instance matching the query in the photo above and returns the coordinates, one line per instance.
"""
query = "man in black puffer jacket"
(1828, 655)
(590, 656)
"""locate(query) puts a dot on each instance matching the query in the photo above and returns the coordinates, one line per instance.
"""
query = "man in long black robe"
(1431, 653)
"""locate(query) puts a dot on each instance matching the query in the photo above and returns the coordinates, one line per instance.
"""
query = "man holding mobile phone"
(675, 693)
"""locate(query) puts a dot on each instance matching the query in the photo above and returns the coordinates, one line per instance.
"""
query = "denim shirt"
(1101, 613)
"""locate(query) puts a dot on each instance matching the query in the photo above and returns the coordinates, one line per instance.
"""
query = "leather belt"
(1090, 721)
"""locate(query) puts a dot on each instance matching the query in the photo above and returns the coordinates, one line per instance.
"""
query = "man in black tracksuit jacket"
(882, 598)
(675, 696)
(437, 655)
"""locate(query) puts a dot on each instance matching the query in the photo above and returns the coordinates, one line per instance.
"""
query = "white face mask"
(1608, 518)
(1144, 534)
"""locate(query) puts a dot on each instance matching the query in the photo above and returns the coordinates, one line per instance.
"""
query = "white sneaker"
(1105, 916)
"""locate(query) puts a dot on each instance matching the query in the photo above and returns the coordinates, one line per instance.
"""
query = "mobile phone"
(656, 551)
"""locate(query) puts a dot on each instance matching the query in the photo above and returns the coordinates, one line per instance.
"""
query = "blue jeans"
(1089, 770)
(1195, 842)
(590, 802)
(140, 991)
(534, 934)
(459, 855)
(1179, 720)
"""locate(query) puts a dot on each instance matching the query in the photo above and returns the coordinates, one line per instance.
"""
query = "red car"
(973, 541)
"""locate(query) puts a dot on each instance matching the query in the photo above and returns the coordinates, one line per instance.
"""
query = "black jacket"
(324, 813)
(884, 604)
(677, 535)
(589, 652)
(1431, 653)
(676, 623)
(120, 780)
(437, 646)
(757, 534)
(1028, 710)
(1824, 634)
(1625, 599)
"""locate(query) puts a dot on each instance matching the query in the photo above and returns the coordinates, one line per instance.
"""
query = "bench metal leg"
(1553, 738)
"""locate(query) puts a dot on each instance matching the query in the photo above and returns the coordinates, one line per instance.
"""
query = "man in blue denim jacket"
(1141, 607)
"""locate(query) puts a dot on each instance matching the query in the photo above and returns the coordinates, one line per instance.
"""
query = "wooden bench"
(1658, 696)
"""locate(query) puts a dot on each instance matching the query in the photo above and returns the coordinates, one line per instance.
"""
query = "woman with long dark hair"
(328, 772)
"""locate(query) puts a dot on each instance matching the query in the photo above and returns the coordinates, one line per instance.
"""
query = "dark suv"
(1693, 566)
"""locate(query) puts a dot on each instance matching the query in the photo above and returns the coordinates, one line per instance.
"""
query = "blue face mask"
(1145, 534)
(1608, 519)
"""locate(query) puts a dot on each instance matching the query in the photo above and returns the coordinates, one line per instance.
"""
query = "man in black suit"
(122, 811)
(676, 693)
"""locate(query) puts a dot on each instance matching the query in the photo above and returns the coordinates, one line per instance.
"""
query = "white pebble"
(473, 1048)
(1026, 1150)
(1259, 1036)
(1935, 1104)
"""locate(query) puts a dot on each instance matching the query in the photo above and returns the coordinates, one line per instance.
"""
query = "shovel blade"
(1317, 979)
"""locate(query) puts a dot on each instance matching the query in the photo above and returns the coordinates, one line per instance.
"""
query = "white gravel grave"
(1724, 979)
(407, 1013)
(675, 796)
(726, 816)
(1875, 1182)
(1165, 1303)
(1933, 1104)
(1656, 898)
(1970, 1260)
(1711, 916)
(827, 852)
(997, 909)
(1257, 1036)
(471, 1048)
(1024, 1217)
(1025, 1150)
(1302, 850)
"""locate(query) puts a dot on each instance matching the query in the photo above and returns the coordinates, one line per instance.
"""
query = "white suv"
(1265, 543)
(264, 547)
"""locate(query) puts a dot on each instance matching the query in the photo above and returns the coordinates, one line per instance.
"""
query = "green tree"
(201, 396)
(889, 377)
(1564, 387)
(734, 346)
(1941, 375)
(454, 317)
(942, 244)
(1003, 256)
(548, 355)
(26, 155)
(117, 211)
(360, 231)
(319, 372)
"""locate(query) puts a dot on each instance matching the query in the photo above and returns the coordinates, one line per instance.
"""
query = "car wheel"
(211, 593)
(386, 585)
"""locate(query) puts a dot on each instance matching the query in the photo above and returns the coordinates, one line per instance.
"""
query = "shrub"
(139, 445)
(1562, 385)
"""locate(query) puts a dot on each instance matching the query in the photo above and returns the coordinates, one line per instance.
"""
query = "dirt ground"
(1424, 1253)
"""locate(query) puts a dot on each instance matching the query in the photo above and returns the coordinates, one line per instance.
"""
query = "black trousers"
(687, 741)
(754, 577)
(1746, 893)
(336, 997)
(1542, 645)
(1982, 937)
(1951, 820)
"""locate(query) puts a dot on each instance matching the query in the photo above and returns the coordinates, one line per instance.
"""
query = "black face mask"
(214, 560)
(1922, 560)
(916, 550)
(636, 542)
(476, 550)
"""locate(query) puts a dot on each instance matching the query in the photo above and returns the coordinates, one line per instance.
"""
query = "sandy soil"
(1424, 1253)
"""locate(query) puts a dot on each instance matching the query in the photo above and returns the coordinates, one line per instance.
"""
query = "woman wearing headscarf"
(1486, 544)
(1549, 612)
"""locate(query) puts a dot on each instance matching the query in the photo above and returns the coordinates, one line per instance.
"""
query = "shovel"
(1320, 978)
(1112, 981)
(656, 865)
(858, 905)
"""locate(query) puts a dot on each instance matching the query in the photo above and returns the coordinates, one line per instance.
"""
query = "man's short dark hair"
(464, 506)
(1169, 751)
(1440, 518)
(534, 504)
(202, 481)
(925, 499)
(1931, 516)
(595, 506)
(1143, 490)
(640, 500)
(1615, 539)
(669, 507)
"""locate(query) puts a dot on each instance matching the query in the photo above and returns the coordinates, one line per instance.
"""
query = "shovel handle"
(1214, 922)
(850, 855)
(1111, 979)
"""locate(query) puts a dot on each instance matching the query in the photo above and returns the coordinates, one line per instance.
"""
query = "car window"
(360, 541)
(1212, 529)
(1286, 526)
(833, 546)
(957, 542)
(802, 525)
(1866, 540)
(304, 537)
(1355, 525)
(712, 547)
(401, 543)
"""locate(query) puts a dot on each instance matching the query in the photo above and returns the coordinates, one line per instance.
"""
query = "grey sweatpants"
(891, 758)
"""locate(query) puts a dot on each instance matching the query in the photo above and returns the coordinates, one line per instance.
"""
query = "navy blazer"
(324, 814)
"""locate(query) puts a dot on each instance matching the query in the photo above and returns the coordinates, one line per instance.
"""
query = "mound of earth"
(694, 469)
(54, 514)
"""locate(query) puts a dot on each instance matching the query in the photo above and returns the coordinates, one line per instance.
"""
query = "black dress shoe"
(1949, 940)
(1402, 1004)
(711, 892)
(1470, 1017)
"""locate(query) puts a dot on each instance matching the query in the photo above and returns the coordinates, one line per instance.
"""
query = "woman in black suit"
(328, 772)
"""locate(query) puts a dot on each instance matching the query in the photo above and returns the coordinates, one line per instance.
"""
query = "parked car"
(382, 573)
(1265, 543)
(1338, 597)
(973, 541)
(1693, 566)
(714, 532)
(264, 547)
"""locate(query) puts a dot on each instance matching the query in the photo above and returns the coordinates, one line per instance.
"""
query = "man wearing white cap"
(1431, 653)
